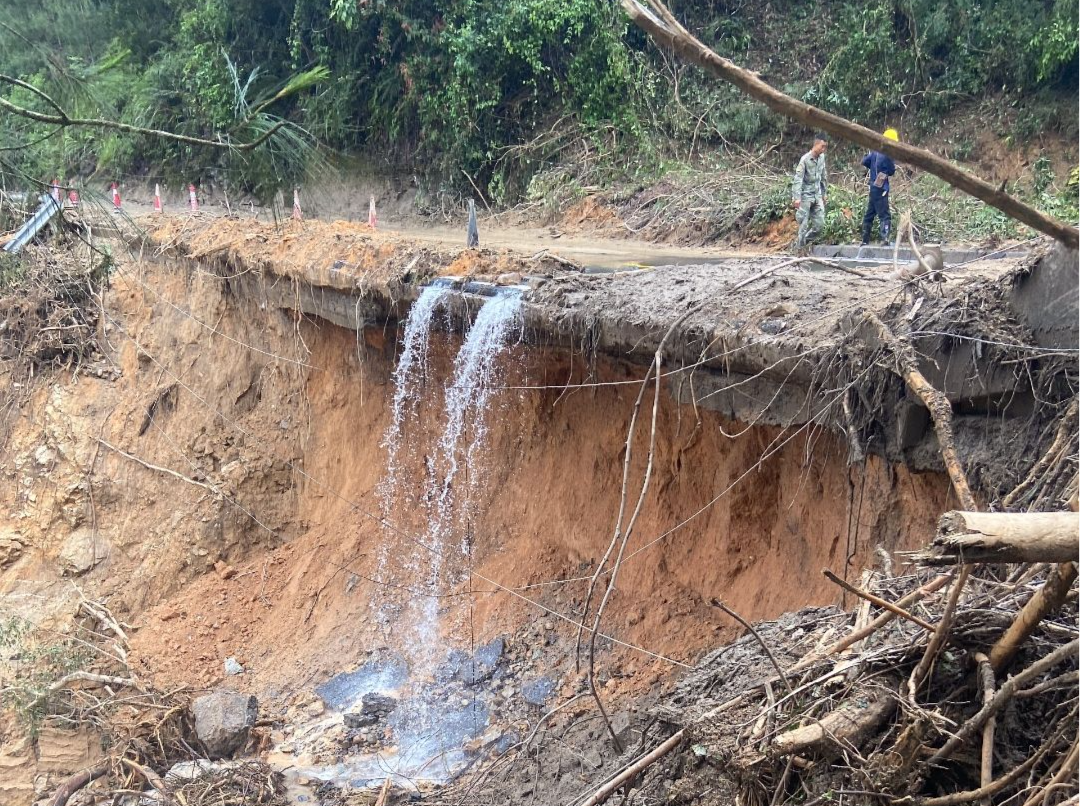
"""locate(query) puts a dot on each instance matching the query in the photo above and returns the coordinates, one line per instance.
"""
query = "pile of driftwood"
(49, 306)
(870, 706)
(247, 783)
(939, 689)
(152, 753)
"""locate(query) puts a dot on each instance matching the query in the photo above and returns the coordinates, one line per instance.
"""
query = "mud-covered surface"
(623, 313)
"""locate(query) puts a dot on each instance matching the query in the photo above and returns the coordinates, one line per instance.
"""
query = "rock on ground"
(223, 721)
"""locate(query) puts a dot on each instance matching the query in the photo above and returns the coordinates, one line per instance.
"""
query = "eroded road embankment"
(217, 472)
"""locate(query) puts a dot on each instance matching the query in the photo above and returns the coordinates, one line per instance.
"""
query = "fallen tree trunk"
(659, 23)
(77, 782)
(838, 730)
(1004, 537)
(624, 775)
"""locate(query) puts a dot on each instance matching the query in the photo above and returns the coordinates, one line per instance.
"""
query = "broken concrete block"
(223, 721)
(912, 423)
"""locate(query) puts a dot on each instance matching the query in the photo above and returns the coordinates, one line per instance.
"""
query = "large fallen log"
(1046, 600)
(1004, 537)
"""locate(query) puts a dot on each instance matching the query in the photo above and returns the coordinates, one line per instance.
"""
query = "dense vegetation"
(499, 89)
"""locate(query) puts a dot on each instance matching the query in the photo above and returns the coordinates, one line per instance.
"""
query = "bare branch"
(39, 93)
(64, 120)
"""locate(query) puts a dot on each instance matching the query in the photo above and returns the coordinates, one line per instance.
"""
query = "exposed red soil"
(545, 513)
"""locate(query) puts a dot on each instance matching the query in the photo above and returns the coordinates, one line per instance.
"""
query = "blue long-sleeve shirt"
(875, 161)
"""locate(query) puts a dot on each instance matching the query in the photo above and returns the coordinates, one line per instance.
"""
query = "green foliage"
(498, 90)
(886, 53)
(1073, 183)
(843, 216)
(38, 664)
(775, 205)
(12, 272)
(1052, 49)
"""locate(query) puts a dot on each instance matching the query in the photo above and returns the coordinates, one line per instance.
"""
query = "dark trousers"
(877, 206)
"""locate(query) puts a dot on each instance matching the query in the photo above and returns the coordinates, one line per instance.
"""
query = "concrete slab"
(1046, 298)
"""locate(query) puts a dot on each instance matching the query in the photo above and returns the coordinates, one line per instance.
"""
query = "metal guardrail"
(44, 213)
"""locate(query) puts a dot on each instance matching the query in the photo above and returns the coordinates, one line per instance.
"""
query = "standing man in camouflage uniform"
(808, 192)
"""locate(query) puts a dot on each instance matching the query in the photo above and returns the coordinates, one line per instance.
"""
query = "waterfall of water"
(409, 378)
(429, 728)
(468, 398)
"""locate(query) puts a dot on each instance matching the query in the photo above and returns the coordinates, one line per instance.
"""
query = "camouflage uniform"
(809, 189)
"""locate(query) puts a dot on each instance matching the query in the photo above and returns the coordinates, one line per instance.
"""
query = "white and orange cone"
(372, 219)
(157, 199)
(297, 213)
(193, 198)
(116, 197)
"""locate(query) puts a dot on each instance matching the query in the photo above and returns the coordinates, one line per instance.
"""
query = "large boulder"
(82, 550)
(223, 721)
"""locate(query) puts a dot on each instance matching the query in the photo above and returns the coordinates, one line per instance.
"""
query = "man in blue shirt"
(880, 168)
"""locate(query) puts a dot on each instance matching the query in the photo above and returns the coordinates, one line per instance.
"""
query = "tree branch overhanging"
(659, 23)
(63, 120)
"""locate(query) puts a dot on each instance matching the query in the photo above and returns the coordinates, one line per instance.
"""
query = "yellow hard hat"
(892, 134)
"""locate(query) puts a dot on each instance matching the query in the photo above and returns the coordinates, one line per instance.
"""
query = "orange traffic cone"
(116, 197)
(157, 199)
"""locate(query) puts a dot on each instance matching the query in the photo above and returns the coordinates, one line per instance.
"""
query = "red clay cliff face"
(543, 511)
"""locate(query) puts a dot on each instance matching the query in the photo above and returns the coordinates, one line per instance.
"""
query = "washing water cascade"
(410, 376)
(468, 400)
(435, 715)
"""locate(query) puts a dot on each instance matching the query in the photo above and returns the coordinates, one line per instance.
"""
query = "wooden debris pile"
(937, 690)
(822, 705)
(247, 783)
